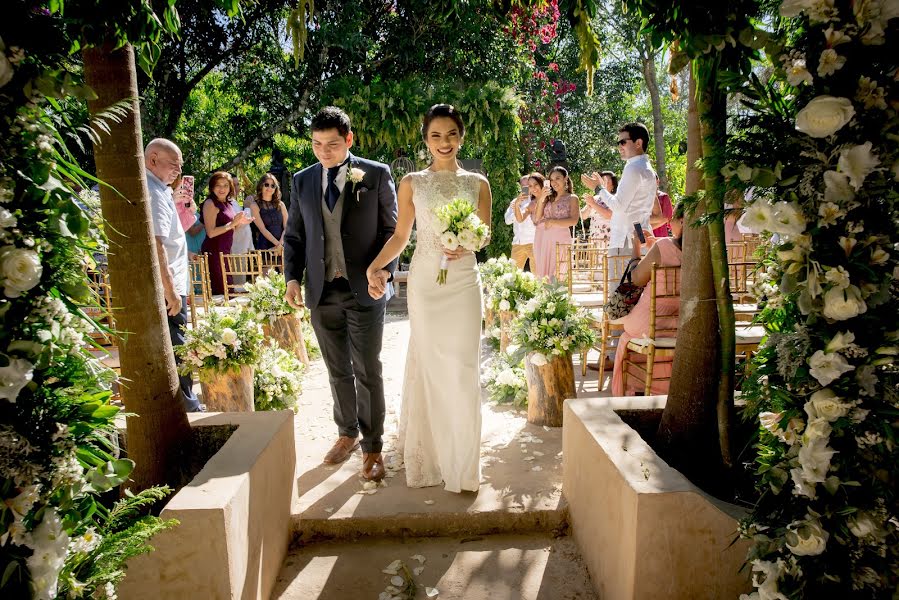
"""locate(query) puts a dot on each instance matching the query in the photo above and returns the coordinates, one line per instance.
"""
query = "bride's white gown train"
(440, 421)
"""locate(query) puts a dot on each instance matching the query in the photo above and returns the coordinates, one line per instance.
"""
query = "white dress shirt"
(633, 201)
(523, 231)
(339, 181)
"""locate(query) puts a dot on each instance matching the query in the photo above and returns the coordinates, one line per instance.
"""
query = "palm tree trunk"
(150, 383)
(687, 430)
(658, 125)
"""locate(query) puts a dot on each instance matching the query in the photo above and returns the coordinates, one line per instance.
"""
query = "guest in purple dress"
(557, 211)
(220, 220)
(269, 213)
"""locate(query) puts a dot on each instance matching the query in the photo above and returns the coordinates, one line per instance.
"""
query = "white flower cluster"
(20, 270)
(277, 379)
(505, 380)
(266, 296)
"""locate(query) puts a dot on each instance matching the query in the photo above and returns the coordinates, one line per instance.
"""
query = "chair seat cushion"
(581, 288)
(638, 344)
(588, 300)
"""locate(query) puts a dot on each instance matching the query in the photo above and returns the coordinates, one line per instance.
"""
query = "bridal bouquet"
(459, 226)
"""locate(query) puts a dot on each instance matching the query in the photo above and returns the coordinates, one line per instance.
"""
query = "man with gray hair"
(163, 161)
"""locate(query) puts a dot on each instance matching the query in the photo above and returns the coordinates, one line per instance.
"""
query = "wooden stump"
(505, 329)
(548, 387)
(488, 318)
(228, 391)
(288, 332)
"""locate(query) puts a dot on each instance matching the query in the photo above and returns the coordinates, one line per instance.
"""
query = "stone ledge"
(234, 515)
(644, 530)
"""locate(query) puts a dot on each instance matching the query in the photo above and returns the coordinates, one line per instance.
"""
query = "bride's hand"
(377, 281)
(456, 254)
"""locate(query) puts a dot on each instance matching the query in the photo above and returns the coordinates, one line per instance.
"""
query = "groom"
(342, 212)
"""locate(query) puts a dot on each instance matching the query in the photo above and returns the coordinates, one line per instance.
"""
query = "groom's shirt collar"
(340, 180)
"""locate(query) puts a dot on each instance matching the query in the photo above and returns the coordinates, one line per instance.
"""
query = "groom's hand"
(294, 295)
(377, 283)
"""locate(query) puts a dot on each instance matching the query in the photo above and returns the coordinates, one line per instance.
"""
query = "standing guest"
(220, 220)
(557, 211)
(243, 235)
(187, 214)
(520, 216)
(269, 213)
(667, 210)
(595, 209)
(163, 161)
(636, 195)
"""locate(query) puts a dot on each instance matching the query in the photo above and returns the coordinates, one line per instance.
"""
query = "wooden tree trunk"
(687, 430)
(288, 332)
(505, 329)
(228, 391)
(548, 387)
(658, 124)
(150, 387)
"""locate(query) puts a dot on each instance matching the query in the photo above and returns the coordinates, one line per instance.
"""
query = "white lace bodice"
(433, 189)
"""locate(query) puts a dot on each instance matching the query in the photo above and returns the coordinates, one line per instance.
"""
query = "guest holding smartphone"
(556, 213)
(520, 216)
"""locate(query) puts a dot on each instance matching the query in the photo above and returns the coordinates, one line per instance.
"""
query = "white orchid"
(857, 163)
(14, 377)
(870, 94)
(828, 367)
(787, 219)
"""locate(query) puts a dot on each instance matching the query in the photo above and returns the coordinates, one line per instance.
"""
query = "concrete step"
(501, 567)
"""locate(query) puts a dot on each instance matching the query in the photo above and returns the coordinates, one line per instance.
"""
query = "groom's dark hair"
(331, 117)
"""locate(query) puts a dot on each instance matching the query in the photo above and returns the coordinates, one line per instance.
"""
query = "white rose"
(14, 377)
(356, 174)
(862, 524)
(469, 240)
(827, 368)
(814, 458)
(817, 428)
(808, 540)
(758, 217)
(504, 305)
(787, 219)
(20, 270)
(843, 303)
(538, 360)
(229, 336)
(449, 240)
(825, 404)
(824, 116)
(837, 188)
(857, 163)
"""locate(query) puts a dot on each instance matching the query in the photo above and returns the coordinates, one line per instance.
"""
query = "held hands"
(294, 295)
(377, 282)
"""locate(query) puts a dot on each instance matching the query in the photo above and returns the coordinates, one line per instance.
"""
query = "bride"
(440, 422)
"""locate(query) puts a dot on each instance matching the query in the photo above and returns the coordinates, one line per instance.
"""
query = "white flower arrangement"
(504, 379)
(277, 379)
(511, 290)
(493, 269)
(221, 342)
(550, 325)
(266, 297)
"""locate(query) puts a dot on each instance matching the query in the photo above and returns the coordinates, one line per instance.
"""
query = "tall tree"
(158, 427)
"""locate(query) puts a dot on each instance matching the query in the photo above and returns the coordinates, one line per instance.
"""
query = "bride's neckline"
(454, 171)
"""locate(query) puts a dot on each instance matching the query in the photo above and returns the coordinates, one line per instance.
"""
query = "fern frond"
(129, 507)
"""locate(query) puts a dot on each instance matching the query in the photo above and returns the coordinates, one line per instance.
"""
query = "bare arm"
(283, 208)
(401, 234)
(642, 274)
(209, 214)
(172, 299)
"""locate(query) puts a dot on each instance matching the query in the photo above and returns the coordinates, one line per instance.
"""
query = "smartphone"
(525, 190)
(187, 184)
(639, 230)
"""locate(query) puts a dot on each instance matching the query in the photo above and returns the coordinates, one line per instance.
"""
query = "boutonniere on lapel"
(355, 175)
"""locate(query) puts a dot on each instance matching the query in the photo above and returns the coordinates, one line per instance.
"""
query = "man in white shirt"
(163, 161)
(518, 215)
(636, 195)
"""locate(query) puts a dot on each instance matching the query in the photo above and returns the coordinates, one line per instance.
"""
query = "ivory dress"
(440, 420)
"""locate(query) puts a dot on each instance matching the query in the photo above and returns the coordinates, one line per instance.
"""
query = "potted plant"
(279, 320)
(549, 329)
(223, 348)
(276, 379)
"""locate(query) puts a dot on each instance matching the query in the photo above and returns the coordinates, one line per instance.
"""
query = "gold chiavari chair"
(741, 275)
(247, 265)
(200, 292)
(609, 331)
(736, 252)
(584, 268)
(664, 282)
(271, 259)
(752, 242)
(563, 262)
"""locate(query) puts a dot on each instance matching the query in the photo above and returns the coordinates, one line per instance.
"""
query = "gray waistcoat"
(334, 259)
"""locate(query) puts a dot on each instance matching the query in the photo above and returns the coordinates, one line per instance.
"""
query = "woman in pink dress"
(666, 252)
(557, 211)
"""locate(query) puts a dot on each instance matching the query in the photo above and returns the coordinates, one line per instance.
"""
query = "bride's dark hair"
(442, 110)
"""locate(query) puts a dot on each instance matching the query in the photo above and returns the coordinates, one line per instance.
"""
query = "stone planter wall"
(235, 518)
(644, 530)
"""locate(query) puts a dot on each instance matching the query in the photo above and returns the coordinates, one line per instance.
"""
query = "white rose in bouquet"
(469, 240)
(14, 377)
(817, 429)
(229, 336)
(20, 270)
(843, 303)
(825, 404)
(824, 116)
(538, 359)
(449, 240)
(809, 540)
(504, 305)
(814, 458)
(827, 368)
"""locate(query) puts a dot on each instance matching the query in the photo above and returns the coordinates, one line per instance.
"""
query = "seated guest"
(557, 212)
(662, 229)
(519, 216)
(269, 213)
(666, 252)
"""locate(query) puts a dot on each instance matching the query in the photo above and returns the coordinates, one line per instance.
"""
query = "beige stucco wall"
(645, 531)
(235, 518)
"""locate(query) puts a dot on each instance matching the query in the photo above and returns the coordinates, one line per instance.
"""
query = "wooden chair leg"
(625, 369)
(602, 357)
(650, 363)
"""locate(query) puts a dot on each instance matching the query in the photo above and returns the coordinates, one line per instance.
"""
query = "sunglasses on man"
(622, 142)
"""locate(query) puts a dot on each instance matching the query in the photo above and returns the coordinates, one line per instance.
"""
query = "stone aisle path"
(520, 498)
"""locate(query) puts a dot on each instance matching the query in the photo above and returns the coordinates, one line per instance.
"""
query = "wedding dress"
(440, 420)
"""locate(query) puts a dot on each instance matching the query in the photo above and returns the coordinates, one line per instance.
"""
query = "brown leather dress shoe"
(341, 450)
(372, 466)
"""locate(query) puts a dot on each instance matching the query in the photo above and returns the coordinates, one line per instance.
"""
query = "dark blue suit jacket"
(369, 219)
